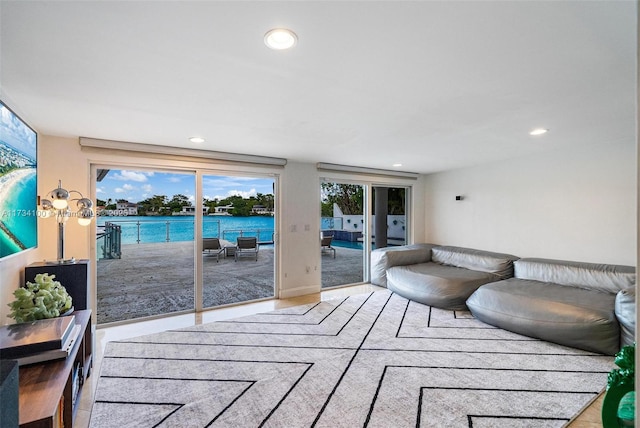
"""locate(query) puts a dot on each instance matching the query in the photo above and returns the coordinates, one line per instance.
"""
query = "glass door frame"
(94, 166)
(368, 185)
(366, 226)
(198, 171)
(408, 211)
(199, 267)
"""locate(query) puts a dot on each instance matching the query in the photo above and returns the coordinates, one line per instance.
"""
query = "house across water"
(222, 210)
(191, 210)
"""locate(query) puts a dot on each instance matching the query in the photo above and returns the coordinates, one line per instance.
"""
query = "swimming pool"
(346, 244)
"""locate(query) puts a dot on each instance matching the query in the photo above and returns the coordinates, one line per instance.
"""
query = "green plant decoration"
(44, 298)
(625, 375)
(620, 389)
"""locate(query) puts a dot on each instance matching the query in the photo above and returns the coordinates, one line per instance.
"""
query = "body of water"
(153, 229)
(148, 229)
(18, 213)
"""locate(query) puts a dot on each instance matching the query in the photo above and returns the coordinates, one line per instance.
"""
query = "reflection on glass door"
(389, 216)
(343, 220)
(144, 243)
(238, 245)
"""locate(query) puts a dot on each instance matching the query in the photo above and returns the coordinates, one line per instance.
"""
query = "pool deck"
(155, 279)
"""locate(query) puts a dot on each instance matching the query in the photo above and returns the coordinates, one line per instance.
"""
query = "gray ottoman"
(570, 316)
(433, 284)
(449, 276)
(569, 303)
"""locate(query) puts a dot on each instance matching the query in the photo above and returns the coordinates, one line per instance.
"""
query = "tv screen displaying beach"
(18, 184)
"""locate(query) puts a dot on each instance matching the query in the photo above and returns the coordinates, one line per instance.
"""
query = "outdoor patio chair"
(325, 245)
(247, 247)
(212, 247)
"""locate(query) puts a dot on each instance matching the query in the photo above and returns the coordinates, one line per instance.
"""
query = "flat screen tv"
(18, 184)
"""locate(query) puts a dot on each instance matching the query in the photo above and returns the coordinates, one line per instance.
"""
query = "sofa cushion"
(478, 260)
(384, 258)
(601, 277)
(571, 316)
(433, 284)
(625, 309)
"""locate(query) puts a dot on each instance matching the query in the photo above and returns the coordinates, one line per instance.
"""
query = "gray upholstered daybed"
(570, 303)
(440, 276)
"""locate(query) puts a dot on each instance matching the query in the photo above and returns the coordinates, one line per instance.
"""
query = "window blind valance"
(366, 171)
(178, 152)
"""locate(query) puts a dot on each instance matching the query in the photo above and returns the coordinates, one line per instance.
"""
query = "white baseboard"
(298, 291)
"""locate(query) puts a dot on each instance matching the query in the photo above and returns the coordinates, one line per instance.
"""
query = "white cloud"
(139, 177)
(99, 190)
(174, 179)
(243, 193)
(147, 188)
(128, 187)
(119, 190)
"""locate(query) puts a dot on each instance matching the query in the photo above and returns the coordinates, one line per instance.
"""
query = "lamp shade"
(84, 216)
(84, 221)
(59, 198)
(84, 203)
(47, 209)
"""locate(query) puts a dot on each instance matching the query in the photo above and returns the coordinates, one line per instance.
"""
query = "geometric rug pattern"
(371, 360)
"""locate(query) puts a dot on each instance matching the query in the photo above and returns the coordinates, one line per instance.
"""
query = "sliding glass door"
(352, 224)
(343, 233)
(149, 259)
(237, 208)
(144, 243)
(389, 223)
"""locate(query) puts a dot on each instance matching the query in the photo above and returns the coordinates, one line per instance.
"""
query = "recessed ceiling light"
(397, 165)
(196, 139)
(538, 131)
(280, 38)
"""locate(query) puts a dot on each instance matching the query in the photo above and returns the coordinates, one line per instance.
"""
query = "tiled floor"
(590, 418)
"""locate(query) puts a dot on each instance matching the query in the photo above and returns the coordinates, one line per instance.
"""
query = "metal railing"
(111, 236)
(261, 234)
(331, 223)
(109, 240)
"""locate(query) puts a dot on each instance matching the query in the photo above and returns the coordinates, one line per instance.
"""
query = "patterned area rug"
(373, 360)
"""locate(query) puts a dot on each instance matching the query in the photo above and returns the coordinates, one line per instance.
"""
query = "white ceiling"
(432, 85)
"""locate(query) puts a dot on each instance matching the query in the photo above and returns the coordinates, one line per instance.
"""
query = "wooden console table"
(47, 389)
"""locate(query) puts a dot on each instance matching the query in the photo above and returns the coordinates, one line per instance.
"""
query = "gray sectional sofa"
(440, 276)
(583, 305)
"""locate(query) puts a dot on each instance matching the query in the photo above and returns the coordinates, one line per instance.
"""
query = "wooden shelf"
(46, 388)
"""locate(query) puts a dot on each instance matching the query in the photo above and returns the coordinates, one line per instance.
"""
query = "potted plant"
(44, 298)
(618, 407)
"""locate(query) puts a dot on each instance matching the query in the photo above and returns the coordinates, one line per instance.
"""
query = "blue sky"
(136, 186)
(15, 133)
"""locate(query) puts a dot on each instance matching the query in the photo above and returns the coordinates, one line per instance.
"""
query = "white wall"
(299, 230)
(566, 204)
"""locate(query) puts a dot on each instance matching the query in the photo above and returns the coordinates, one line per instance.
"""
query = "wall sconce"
(58, 205)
